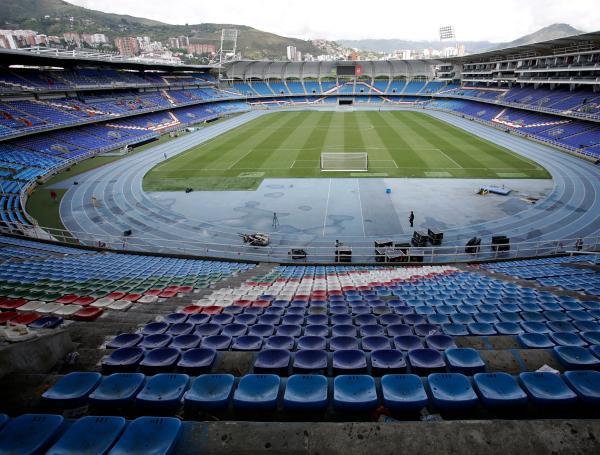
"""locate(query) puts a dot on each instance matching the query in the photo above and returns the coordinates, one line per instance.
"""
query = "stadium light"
(447, 33)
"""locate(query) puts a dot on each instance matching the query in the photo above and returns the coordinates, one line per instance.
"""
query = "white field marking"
(384, 161)
(362, 218)
(372, 167)
(326, 208)
(292, 165)
(458, 166)
(241, 158)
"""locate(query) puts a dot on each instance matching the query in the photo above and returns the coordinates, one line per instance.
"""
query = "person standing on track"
(411, 218)
(275, 220)
(165, 155)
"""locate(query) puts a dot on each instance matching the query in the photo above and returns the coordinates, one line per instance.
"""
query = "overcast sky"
(490, 20)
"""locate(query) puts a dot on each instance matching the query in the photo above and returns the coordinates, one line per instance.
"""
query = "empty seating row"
(355, 392)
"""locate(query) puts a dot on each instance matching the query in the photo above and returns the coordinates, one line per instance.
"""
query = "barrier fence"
(362, 251)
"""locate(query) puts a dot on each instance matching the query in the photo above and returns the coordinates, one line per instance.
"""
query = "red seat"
(84, 301)
(261, 303)
(167, 294)
(185, 289)
(212, 309)
(87, 314)
(243, 303)
(7, 316)
(116, 295)
(67, 299)
(11, 304)
(172, 288)
(154, 291)
(132, 297)
(24, 318)
(191, 309)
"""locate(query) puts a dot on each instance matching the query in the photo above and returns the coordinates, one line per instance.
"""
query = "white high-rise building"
(291, 53)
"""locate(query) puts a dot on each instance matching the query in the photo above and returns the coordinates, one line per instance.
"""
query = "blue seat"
(247, 343)
(374, 343)
(342, 330)
(425, 361)
(72, 390)
(342, 343)
(125, 340)
(181, 328)
(235, 330)
(354, 393)
(424, 330)
(403, 392)
(506, 316)
(217, 342)
(592, 337)
(407, 342)
(261, 330)
(89, 435)
(305, 392)
(245, 319)
(196, 361)
(275, 361)
(532, 316)
(117, 390)
(310, 361)
(29, 434)
(209, 391)
(150, 436)
(257, 392)
(535, 327)
(440, 342)
(317, 330)
(222, 319)
(161, 359)
(438, 319)
(291, 330)
(499, 390)
(481, 329)
(46, 322)
(387, 361)
(280, 342)
(461, 318)
(160, 340)
(547, 389)
(176, 318)
(371, 330)
(464, 360)
(269, 319)
(207, 329)
(561, 326)
(317, 319)
(164, 390)
(155, 328)
(535, 341)
(395, 330)
(586, 384)
(349, 361)
(312, 342)
(451, 391)
(390, 319)
(567, 339)
(455, 329)
(508, 328)
(199, 318)
(576, 358)
(123, 359)
(184, 342)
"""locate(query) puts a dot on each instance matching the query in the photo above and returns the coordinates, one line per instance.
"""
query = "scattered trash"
(547, 369)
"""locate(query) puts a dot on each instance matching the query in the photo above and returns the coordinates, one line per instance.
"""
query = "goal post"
(344, 161)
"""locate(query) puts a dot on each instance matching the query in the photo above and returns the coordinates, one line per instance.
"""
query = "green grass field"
(289, 144)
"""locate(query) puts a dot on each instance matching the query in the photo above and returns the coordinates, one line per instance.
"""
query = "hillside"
(30, 14)
(550, 32)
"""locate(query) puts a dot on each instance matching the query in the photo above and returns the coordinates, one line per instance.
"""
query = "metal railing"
(321, 251)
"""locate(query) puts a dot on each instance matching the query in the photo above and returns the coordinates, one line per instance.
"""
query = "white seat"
(49, 308)
(68, 310)
(102, 303)
(31, 306)
(120, 305)
(148, 299)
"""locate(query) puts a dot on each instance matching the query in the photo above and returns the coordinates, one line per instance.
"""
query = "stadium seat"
(217, 342)
(354, 393)
(46, 322)
(349, 361)
(257, 392)
(407, 342)
(499, 390)
(455, 329)
(280, 342)
(181, 328)
(209, 391)
(160, 359)
(376, 342)
(305, 392)
(344, 330)
(125, 340)
(535, 341)
(274, 361)
(439, 342)
(586, 384)
(451, 391)
(425, 361)
(184, 342)
(196, 361)
(387, 361)
(155, 328)
(342, 342)
(123, 360)
(117, 390)
(547, 389)
(247, 343)
(89, 435)
(395, 330)
(149, 435)
(464, 360)
(592, 337)
(508, 328)
(403, 392)
(88, 314)
(310, 362)
(72, 390)
(576, 358)
(163, 391)
(311, 342)
(29, 434)
(159, 340)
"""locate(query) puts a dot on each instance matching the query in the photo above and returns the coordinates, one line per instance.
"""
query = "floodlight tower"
(447, 34)
(227, 49)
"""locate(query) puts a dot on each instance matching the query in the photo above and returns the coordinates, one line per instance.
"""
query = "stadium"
(301, 257)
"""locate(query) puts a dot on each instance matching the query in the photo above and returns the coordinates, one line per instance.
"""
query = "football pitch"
(289, 144)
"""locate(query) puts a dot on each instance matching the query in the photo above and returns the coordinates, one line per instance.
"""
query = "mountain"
(389, 45)
(54, 17)
(550, 32)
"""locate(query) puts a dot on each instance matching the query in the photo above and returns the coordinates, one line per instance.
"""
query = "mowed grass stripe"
(272, 143)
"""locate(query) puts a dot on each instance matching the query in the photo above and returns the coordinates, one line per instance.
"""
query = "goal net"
(344, 161)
